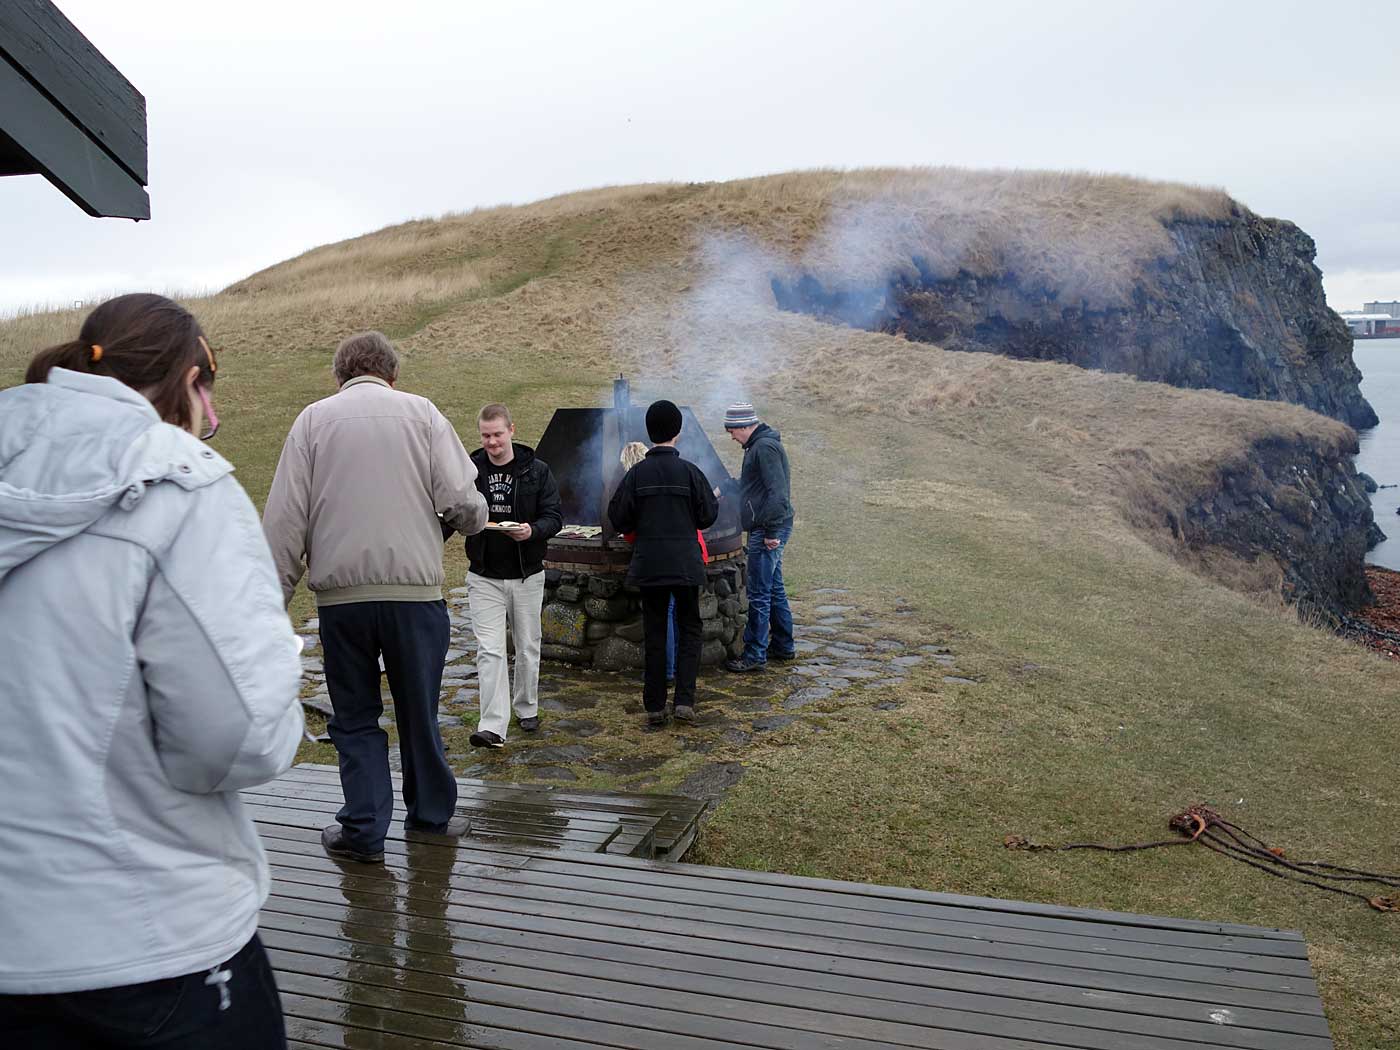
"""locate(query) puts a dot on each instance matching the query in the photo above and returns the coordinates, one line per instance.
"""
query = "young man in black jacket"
(505, 579)
(665, 499)
(764, 493)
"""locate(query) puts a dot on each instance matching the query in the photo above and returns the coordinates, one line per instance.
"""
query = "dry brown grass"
(670, 281)
(1085, 236)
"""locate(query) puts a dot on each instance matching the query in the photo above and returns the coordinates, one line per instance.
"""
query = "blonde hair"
(494, 411)
(632, 454)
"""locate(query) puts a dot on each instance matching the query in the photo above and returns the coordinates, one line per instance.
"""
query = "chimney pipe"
(622, 394)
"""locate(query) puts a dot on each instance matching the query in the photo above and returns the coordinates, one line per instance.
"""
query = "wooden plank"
(598, 1009)
(880, 911)
(1052, 933)
(311, 818)
(91, 92)
(721, 924)
(905, 894)
(676, 830)
(770, 980)
(505, 911)
(1062, 968)
(681, 811)
(884, 1020)
(671, 835)
(462, 889)
(701, 938)
(63, 154)
(305, 1032)
(482, 813)
(375, 1023)
(670, 884)
(629, 838)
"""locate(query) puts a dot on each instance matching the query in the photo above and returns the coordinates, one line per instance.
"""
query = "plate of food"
(503, 526)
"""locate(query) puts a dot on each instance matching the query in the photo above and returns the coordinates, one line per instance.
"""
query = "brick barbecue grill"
(590, 616)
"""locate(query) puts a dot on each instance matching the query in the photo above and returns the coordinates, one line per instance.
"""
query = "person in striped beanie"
(764, 492)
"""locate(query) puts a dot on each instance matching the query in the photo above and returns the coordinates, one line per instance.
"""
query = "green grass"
(1151, 689)
(1116, 686)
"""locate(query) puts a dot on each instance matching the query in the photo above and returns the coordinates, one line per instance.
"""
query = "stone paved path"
(593, 733)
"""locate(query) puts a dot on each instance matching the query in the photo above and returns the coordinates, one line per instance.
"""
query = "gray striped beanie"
(740, 415)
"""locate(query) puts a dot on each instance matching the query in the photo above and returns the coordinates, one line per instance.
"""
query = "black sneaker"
(530, 725)
(486, 738)
(657, 719)
(333, 842)
(782, 658)
(742, 665)
(685, 713)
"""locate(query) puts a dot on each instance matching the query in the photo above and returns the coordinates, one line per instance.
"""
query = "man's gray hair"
(366, 354)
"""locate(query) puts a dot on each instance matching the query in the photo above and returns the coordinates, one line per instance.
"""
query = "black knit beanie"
(663, 421)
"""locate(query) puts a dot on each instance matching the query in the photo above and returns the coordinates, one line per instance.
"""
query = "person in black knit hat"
(664, 499)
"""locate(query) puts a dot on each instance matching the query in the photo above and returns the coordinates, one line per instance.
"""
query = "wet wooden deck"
(518, 945)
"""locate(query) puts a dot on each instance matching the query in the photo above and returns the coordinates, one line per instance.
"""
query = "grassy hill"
(1012, 509)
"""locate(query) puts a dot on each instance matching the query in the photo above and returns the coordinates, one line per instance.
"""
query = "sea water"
(1379, 361)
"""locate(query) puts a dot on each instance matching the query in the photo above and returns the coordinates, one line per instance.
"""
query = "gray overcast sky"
(277, 126)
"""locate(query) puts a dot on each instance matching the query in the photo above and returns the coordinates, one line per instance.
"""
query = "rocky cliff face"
(1237, 307)
(1301, 506)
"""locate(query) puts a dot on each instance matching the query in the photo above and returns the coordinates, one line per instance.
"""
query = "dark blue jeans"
(171, 1014)
(770, 619)
(412, 636)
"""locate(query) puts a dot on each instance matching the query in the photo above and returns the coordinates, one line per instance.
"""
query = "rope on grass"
(1204, 826)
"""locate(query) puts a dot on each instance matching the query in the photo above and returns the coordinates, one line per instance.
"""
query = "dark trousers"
(178, 1013)
(656, 601)
(412, 637)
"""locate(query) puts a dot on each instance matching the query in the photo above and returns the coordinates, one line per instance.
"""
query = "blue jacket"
(148, 672)
(765, 483)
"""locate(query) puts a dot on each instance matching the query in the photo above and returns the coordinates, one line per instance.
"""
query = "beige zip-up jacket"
(363, 476)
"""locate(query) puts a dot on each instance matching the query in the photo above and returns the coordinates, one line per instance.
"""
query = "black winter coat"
(664, 499)
(764, 489)
(535, 501)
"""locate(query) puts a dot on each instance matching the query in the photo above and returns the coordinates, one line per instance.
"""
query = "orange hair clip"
(96, 353)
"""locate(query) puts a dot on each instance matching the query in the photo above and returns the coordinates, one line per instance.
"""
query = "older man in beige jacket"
(364, 477)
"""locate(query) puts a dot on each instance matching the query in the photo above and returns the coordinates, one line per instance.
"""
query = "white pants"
(493, 604)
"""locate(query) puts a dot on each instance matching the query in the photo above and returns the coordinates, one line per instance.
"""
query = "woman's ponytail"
(75, 355)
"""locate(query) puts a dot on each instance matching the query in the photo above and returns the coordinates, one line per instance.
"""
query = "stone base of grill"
(594, 619)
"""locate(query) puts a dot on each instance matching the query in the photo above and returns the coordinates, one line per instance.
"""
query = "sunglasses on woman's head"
(211, 419)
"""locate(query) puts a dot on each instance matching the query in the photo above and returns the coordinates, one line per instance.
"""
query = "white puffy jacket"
(147, 672)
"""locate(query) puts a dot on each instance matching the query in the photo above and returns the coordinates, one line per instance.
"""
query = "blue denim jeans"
(770, 619)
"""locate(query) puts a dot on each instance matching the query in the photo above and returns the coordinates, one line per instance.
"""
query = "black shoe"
(685, 713)
(333, 842)
(657, 719)
(742, 664)
(486, 738)
(530, 725)
(457, 827)
(782, 658)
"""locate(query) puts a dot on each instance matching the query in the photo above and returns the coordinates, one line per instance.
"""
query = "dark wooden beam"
(54, 56)
(58, 149)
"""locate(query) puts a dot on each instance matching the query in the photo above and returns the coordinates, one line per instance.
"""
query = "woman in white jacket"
(147, 672)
